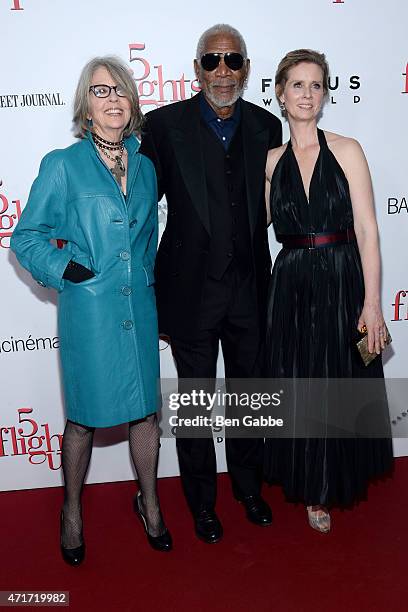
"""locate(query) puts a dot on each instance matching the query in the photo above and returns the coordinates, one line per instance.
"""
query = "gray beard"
(222, 103)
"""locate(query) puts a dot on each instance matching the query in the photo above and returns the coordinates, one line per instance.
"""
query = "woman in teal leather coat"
(98, 197)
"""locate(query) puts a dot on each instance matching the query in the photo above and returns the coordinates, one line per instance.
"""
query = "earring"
(90, 122)
(282, 106)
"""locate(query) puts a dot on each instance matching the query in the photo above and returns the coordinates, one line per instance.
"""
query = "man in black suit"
(213, 264)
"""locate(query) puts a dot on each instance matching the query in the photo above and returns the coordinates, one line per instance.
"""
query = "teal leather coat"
(107, 325)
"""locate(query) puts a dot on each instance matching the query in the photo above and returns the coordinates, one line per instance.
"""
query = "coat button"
(128, 324)
(126, 290)
(125, 255)
(230, 254)
(133, 223)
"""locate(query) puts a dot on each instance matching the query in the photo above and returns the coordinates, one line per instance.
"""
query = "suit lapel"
(186, 139)
(255, 140)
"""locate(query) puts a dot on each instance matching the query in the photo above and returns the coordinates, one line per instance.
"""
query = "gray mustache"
(223, 83)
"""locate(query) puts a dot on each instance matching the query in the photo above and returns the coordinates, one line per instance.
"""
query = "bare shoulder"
(348, 153)
(343, 145)
(274, 156)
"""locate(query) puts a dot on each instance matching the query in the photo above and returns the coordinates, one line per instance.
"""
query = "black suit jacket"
(171, 140)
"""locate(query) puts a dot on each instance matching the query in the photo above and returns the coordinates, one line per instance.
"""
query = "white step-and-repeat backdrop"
(44, 45)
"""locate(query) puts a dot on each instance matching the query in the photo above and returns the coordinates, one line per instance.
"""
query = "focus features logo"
(353, 85)
(400, 306)
(28, 438)
(336, 84)
(153, 88)
(397, 205)
(10, 213)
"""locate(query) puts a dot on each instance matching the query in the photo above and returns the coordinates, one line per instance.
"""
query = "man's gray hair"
(220, 28)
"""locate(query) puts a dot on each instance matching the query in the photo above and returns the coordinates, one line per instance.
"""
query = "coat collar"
(255, 142)
(186, 138)
(132, 146)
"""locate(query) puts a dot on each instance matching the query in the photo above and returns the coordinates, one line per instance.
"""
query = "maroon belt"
(314, 241)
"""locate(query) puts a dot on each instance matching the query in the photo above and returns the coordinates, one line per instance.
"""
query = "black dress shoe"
(257, 510)
(72, 556)
(208, 527)
(162, 542)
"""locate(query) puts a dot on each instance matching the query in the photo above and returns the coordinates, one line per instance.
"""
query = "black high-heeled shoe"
(72, 556)
(162, 542)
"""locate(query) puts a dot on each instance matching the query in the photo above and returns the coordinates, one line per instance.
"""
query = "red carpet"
(360, 565)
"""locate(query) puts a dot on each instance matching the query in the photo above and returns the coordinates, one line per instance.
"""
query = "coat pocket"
(149, 272)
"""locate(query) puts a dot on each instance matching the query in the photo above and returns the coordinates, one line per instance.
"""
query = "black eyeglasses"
(210, 61)
(104, 91)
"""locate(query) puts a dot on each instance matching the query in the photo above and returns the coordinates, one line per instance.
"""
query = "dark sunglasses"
(210, 61)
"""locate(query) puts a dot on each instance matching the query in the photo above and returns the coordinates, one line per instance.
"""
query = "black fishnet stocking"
(144, 449)
(76, 453)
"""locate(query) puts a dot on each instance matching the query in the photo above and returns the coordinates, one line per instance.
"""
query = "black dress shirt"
(224, 129)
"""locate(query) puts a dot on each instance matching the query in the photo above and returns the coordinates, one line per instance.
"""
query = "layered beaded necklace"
(118, 170)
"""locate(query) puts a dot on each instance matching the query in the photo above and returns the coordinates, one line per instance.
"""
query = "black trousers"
(229, 315)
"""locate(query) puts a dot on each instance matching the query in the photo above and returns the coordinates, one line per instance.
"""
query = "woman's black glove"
(76, 273)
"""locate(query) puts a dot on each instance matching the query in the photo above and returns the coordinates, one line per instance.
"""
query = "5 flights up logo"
(10, 213)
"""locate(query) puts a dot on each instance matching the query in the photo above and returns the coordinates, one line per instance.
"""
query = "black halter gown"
(315, 301)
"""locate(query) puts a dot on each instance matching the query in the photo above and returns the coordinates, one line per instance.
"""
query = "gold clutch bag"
(362, 345)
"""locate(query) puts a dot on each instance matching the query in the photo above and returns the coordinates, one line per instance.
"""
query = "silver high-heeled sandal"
(319, 518)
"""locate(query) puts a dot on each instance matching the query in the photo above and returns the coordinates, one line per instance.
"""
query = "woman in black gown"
(325, 287)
